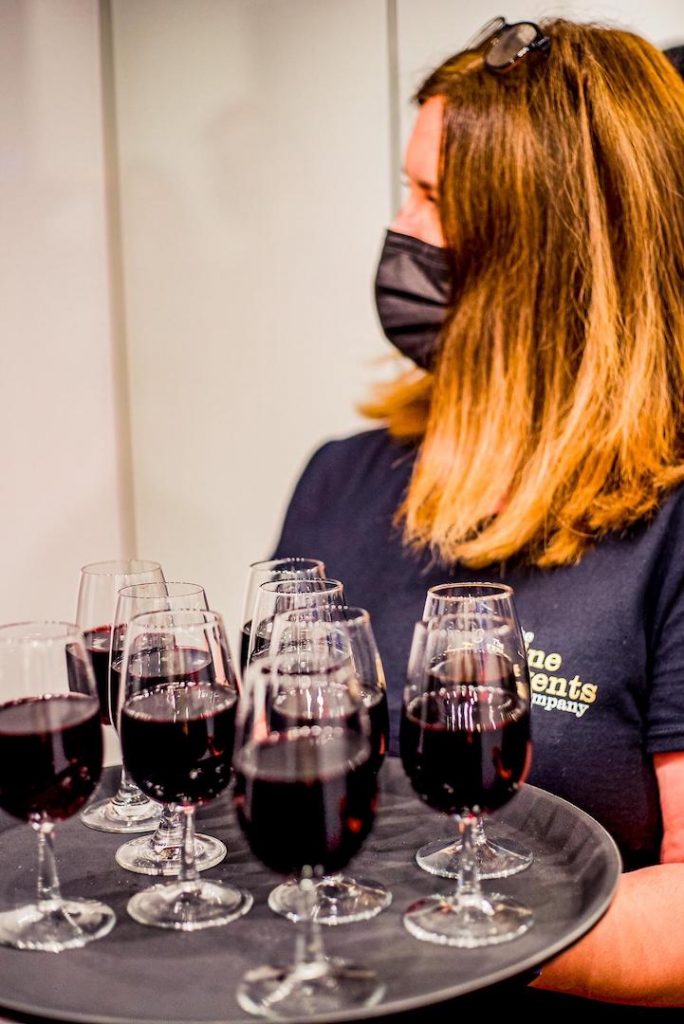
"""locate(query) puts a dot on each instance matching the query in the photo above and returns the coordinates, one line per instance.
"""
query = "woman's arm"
(635, 954)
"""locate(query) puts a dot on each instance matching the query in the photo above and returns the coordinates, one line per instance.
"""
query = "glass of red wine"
(278, 596)
(50, 762)
(129, 811)
(497, 856)
(340, 899)
(319, 776)
(160, 853)
(177, 732)
(465, 746)
(272, 571)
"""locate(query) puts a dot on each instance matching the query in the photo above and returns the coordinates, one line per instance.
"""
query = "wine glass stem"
(127, 792)
(48, 881)
(309, 955)
(468, 888)
(169, 831)
(188, 876)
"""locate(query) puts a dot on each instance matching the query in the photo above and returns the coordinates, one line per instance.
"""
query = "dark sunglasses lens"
(509, 44)
(493, 26)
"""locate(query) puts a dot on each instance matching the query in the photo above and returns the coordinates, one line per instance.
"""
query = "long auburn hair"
(555, 410)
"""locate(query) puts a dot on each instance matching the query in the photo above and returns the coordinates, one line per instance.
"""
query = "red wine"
(375, 702)
(305, 798)
(245, 633)
(465, 748)
(177, 741)
(164, 665)
(261, 640)
(97, 644)
(330, 703)
(50, 755)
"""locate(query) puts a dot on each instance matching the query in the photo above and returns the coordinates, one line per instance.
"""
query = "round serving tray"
(139, 975)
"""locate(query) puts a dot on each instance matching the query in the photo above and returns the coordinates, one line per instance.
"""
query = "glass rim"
(30, 631)
(472, 617)
(190, 589)
(161, 615)
(265, 668)
(271, 563)
(498, 590)
(120, 567)
(271, 586)
(361, 614)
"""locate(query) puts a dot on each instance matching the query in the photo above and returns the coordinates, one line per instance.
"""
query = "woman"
(535, 272)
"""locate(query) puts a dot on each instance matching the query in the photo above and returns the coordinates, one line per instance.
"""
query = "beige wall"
(256, 175)
(254, 191)
(61, 495)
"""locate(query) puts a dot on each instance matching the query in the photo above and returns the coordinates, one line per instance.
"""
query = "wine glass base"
(339, 900)
(142, 857)
(56, 925)
(295, 993)
(189, 907)
(467, 923)
(106, 816)
(495, 858)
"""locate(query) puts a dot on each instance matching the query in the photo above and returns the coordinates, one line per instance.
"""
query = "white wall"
(254, 192)
(61, 494)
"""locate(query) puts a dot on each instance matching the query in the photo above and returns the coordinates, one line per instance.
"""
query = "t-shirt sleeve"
(665, 715)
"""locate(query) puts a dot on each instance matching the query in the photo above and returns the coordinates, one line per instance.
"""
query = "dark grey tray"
(140, 975)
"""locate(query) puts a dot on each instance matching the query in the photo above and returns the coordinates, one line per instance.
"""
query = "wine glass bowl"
(465, 747)
(159, 853)
(50, 763)
(272, 571)
(177, 734)
(100, 582)
(341, 899)
(497, 855)
(279, 596)
(319, 775)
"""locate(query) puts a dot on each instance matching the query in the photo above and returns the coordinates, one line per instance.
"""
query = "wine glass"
(159, 854)
(465, 746)
(278, 596)
(340, 899)
(50, 762)
(177, 732)
(129, 810)
(272, 571)
(497, 857)
(319, 775)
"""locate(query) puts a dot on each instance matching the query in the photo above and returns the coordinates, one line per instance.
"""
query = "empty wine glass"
(340, 899)
(275, 597)
(272, 571)
(50, 762)
(177, 732)
(318, 775)
(129, 810)
(159, 854)
(497, 856)
(465, 746)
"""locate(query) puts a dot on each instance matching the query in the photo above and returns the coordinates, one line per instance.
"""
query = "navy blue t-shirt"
(605, 637)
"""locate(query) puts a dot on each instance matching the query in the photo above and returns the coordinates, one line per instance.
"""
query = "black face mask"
(412, 291)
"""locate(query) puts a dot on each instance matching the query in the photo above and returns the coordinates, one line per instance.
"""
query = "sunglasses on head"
(504, 45)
